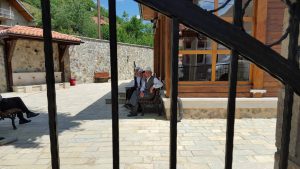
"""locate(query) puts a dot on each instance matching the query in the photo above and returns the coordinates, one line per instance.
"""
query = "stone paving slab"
(84, 126)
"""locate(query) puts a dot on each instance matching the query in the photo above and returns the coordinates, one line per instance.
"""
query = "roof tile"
(36, 32)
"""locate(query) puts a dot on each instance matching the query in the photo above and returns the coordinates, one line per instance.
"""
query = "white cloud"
(138, 17)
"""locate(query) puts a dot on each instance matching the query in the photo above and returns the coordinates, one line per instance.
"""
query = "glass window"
(191, 40)
(194, 67)
(223, 64)
(222, 67)
(243, 70)
(248, 27)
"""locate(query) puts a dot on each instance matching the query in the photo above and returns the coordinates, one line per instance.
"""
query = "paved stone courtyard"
(84, 123)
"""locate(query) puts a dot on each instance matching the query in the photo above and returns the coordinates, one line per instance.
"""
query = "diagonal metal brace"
(231, 36)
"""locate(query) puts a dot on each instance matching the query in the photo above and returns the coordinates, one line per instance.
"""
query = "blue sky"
(130, 6)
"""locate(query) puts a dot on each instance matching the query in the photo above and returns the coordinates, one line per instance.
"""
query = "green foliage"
(75, 17)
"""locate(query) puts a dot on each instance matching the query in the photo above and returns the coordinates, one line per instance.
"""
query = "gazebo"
(21, 51)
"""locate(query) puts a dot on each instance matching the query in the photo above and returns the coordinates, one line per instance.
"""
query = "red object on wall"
(72, 82)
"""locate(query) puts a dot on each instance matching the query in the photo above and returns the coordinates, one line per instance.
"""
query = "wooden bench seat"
(101, 77)
(11, 114)
(156, 101)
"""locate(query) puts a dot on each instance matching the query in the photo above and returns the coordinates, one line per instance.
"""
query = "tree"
(75, 17)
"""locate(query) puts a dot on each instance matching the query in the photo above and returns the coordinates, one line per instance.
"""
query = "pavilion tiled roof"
(32, 32)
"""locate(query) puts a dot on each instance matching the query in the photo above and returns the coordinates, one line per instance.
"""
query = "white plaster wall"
(28, 56)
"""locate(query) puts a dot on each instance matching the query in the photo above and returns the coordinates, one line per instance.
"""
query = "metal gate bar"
(237, 21)
(174, 92)
(294, 10)
(51, 95)
(114, 82)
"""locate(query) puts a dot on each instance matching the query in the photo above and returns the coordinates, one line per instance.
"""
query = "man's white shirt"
(157, 83)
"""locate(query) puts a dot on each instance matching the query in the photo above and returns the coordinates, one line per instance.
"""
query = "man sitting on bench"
(146, 91)
(138, 77)
(16, 102)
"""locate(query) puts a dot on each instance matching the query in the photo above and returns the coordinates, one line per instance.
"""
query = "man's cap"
(140, 70)
(148, 69)
(137, 68)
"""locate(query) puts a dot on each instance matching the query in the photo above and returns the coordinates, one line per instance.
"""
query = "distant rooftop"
(35, 33)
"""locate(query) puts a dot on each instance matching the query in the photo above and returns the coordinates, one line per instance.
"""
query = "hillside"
(76, 18)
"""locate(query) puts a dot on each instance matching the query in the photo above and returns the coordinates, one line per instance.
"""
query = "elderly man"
(130, 90)
(138, 84)
(16, 102)
(149, 84)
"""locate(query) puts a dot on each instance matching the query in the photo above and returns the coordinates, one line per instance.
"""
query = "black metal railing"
(232, 36)
(238, 22)
(114, 82)
(50, 80)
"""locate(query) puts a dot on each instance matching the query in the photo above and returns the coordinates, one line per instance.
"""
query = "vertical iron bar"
(294, 11)
(51, 95)
(114, 82)
(174, 92)
(237, 21)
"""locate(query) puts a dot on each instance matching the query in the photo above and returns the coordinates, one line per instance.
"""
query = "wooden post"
(156, 51)
(9, 49)
(168, 56)
(214, 60)
(162, 47)
(62, 49)
(260, 34)
(214, 50)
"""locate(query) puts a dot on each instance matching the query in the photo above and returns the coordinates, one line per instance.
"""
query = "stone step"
(41, 87)
(122, 95)
(7, 140)
(120, 100)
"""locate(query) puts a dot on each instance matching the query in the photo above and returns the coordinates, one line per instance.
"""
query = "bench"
(101, 77)
(156, 101)
(11, 114)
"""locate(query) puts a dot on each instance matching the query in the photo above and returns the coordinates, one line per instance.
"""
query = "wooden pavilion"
(204, 63)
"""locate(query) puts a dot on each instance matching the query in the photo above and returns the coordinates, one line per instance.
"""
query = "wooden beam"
(214, 61)
(191, 52)
(62, 49)
(224, 52)
(158, 48)
(231, 36)
(12, 45)
(168, 57)
(230, 19)
(161, 47)
(9, 47)
(260, 32)
(218, 83)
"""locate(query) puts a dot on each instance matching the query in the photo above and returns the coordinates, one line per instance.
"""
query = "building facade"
(204, 63)
(13, 12)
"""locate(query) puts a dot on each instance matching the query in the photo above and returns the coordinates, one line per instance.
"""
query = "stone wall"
(28, 57)
(294, 147)
(81, 61)
(3, 87)
(94, 56)
(204, 108)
